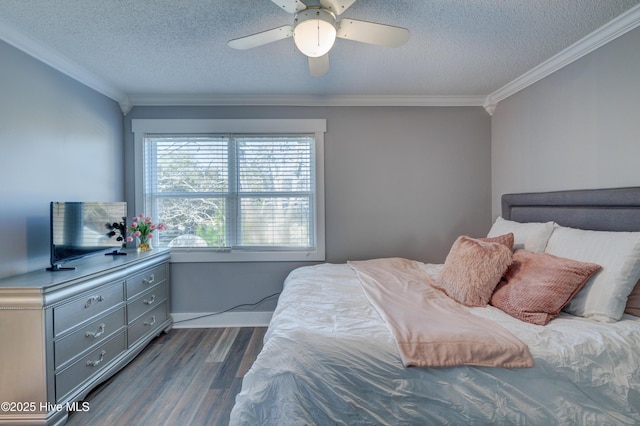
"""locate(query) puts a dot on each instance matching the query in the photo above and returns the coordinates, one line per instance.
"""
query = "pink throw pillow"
(506, 239)
(472, 270)
(538, 285)
(633, 302)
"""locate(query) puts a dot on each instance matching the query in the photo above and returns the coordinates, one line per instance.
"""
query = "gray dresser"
(62, 333)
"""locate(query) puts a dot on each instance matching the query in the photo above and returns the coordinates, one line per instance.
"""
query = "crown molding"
(58, 61)
(304, 100)
(608, 32)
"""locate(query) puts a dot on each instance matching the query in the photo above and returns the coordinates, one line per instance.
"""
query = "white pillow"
(532, 236)
(604, 296)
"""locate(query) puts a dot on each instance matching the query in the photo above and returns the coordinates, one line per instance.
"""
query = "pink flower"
(129, 239)
(143, 226)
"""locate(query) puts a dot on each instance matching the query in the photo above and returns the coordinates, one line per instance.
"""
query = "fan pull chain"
(318, 27)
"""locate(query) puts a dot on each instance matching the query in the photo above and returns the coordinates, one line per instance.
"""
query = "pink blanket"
(432, 330)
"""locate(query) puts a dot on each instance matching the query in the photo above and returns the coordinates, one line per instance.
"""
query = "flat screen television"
(80, 229)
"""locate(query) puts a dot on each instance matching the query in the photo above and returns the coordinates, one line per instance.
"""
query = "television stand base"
(56, 268)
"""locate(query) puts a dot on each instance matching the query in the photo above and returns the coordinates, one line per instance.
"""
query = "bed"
(329, 356)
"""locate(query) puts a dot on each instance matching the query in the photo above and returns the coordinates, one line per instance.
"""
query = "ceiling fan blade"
(319, 66)
(291, 6)
(261, 38)
(336, 6)
(372, 33)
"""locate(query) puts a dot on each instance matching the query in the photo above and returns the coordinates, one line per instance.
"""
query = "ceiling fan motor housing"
(314, 31)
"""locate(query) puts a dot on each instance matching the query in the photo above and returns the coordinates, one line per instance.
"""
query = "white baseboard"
(227, 319)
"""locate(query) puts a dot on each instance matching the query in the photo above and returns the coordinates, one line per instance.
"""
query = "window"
(233, 190)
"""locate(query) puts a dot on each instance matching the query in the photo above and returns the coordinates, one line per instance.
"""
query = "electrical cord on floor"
(230, 309)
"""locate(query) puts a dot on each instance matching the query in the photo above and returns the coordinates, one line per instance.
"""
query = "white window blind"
(274, 191)
(238, 196)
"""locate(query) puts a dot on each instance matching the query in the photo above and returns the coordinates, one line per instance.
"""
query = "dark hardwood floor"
(186, 377)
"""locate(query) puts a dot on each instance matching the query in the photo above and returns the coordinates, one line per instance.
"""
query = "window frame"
(141, 127)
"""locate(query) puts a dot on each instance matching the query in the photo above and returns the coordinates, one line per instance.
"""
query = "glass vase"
(144, 243)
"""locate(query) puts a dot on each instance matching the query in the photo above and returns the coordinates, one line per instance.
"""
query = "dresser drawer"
(87, 306)
(88, 336)
(148, 322)
(146, 302)
(146, 279)
(70, 378)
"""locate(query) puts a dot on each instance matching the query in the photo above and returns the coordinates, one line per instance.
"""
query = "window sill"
(196, 255)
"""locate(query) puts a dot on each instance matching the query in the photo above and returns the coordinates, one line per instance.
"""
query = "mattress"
(329, 358)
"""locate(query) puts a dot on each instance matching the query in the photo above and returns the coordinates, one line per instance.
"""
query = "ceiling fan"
(316, 27)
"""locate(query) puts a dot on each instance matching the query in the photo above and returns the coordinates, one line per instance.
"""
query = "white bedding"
(328, 358)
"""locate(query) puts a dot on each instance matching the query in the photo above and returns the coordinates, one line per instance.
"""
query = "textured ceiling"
(163, 48)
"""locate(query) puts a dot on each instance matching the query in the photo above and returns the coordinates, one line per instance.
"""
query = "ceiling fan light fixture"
(314, 32)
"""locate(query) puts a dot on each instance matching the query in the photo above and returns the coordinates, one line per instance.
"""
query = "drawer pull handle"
(95, 333)
(150, 301)
(149, 280)
(98, 361)
(150, 323)
(93, 299)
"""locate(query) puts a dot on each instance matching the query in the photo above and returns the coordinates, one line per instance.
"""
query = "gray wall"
(59, 140)
(398, 181)
(578, 128)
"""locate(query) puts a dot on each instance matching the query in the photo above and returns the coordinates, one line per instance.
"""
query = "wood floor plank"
(222, 347)
(188, 376)
(190, 402)
(253, 349)
(227, 372)
(207, 412)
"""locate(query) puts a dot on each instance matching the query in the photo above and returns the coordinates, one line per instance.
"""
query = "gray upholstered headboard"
(615, 209)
